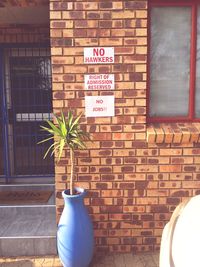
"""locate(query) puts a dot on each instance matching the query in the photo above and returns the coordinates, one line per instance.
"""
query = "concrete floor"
(109, 260)
(126, 260)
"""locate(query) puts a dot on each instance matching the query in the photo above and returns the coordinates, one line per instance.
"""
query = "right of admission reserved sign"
(99, 82)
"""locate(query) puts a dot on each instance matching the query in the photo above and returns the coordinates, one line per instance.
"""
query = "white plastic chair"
(180, 243)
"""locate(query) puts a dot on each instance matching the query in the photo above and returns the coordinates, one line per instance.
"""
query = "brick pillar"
(115, 167)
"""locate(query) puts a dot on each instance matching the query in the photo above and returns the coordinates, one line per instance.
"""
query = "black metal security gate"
(26, 101)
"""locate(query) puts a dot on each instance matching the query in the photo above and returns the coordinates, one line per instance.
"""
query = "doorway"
(26, 102)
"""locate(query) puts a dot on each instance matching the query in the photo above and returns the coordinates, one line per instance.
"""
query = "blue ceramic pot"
(75, 239)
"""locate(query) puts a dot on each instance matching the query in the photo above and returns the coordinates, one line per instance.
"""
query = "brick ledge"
(173, 133)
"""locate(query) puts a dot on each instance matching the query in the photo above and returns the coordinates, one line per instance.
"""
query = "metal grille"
(1, 138)
(27, 89)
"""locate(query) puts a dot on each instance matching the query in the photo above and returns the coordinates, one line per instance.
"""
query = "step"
(26, 187)
(28, 246)
(28, 180)
(27, 230)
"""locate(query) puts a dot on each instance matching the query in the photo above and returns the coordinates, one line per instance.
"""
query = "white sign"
(99, 82)
(98, 55)
(99, 106)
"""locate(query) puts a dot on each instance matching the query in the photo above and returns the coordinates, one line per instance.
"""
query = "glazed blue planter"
(75, 239)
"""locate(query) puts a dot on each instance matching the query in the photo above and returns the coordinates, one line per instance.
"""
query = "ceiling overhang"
(23, 3)
(24, 12)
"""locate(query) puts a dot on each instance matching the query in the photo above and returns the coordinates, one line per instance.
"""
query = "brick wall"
(133, 186)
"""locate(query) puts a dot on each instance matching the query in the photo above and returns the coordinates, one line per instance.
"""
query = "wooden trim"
(165, 3)
(193, 62)
(148, 61)
(168, 119)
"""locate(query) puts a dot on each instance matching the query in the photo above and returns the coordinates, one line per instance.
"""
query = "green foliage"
(65, 132)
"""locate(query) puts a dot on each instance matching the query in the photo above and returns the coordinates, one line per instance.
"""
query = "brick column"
(117, 168)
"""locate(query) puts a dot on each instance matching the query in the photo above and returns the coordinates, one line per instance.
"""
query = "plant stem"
(72, 170)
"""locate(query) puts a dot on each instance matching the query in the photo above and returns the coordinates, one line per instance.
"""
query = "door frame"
(4, 112)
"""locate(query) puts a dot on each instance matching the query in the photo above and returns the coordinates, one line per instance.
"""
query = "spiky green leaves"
(66, 132)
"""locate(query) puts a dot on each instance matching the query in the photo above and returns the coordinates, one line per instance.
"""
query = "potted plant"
(75, 232)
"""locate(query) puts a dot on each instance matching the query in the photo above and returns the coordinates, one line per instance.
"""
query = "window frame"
(193, 54)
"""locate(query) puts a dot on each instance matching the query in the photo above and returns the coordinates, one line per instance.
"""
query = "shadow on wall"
(18, 263)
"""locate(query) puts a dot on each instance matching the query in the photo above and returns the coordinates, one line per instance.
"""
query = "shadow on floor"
(126, 260)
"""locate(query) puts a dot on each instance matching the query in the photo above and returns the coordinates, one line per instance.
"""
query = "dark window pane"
(170, 61)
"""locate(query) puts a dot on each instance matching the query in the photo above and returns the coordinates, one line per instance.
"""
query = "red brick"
(135, 4)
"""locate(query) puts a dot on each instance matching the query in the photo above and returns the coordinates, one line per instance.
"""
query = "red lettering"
(99, 101)
(102, 52)
(98, 52)
(95, 52)
(98, 109)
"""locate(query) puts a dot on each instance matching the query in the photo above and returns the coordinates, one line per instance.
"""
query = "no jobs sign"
(98, 55)
(99, 106)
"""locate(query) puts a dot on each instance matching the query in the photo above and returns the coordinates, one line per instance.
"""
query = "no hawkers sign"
(98, 55)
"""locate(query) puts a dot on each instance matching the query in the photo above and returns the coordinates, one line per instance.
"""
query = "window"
(174, 58)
